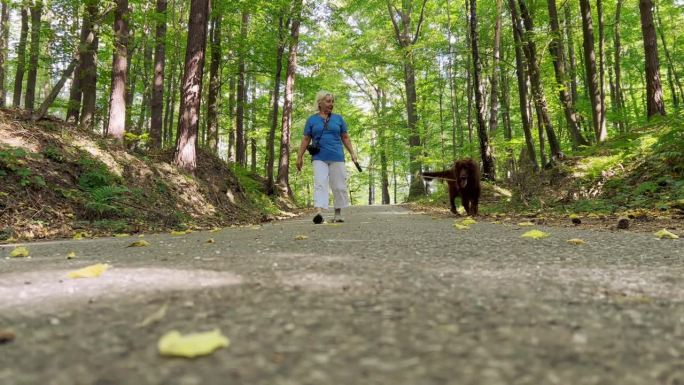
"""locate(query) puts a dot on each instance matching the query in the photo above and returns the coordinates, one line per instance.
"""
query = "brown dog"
(464, 180)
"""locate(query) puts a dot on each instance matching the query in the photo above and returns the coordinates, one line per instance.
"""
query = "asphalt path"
(388, 297)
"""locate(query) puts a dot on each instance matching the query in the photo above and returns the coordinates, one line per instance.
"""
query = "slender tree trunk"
(76, 93)
(485, 148)
(522, 84)
(4, 42)
(672, 77)
(34, 55)
(655, 105)
(131, 81)
(572, 60)
(469, 75)
(602, 64)
(530, 50)
(452, 87)
(382, 132)
(283, 179)
(214, 82)
(619, 95)
(88, 67)
(42, 110)
(506, 108)
(240, 150)
(186, 142)
(593, 85)
(252, 127)
(275, 96)
(117, 100)
(494, 79)
(156, 104)
(21, 58)
(556, 48)
(148, 77)
(406, 39)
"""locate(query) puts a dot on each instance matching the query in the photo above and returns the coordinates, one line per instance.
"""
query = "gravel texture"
(388, 297)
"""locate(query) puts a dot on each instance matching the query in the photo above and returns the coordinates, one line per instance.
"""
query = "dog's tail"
(446, 174)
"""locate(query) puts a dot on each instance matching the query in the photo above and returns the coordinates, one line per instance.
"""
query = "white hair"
(320, 95)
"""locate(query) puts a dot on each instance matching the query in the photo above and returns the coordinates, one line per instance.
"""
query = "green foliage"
(95, 174)
(254, 190)
(106, 201)
(53, 153)
(13, 160)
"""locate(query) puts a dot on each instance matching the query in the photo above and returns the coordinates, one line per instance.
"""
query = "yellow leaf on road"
(666, 234)
(210, 240)
(71, 255)
(191, 345)
(20, 252)
(301, 237)
(535, 234)
(178, 232)
(459, 226)
(91, 271)
(525, 224)
(575, 241)
(122, 235)
(468, 221)
(140, 243)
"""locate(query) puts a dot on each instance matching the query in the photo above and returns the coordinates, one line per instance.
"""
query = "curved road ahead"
(389, 297)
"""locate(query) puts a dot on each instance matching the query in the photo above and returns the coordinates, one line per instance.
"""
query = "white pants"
(335, 175)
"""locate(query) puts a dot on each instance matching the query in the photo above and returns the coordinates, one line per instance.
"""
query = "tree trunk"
(522, 84)
(572, 61)
(240, 150)
(382, 132)
(602, 64)
(593, 85)
(76, 93)
(275, 96)
(494, 79)
(252, 126)
(469, 76)
(530, 50)
(156, 104)
(88, 67)
(655, 105)
(214, 82)
(191, 86)
(452, 86)
(485, 148)
(4, 43)
(55, 91)
(406, 40)
(21, 58)
(672, 77)
(34, 55)
(283, 180)
(117, 100)
(619, 95)
(556, 48)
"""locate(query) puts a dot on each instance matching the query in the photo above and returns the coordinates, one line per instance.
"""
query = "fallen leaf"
(535, 234)
(592, 216)
(71, 255)
(191, 345)
(178, 232)
(140, 243)
(122, 235)
(497, 222)
(665, 234)
(91, 271)
(459, 226)
(210, 240)
(468, 221)
(19, 252)
(575, 241)
(573, 216)
(255, 227)
(215, 230)
(80, 235)
(301, 237)
(154, 317)
(525, 224)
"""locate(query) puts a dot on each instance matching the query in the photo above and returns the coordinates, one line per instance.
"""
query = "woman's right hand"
(300, 163)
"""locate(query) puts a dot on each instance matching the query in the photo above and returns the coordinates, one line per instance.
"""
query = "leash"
(358, 167)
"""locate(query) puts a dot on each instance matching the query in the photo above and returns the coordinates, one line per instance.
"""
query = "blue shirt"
(329, 138)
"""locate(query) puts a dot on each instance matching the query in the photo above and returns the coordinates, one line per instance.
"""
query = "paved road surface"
(389, 297)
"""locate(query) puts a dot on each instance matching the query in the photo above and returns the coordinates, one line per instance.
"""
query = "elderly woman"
(329, 132)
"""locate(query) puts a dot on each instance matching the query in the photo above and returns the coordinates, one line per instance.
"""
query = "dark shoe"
(318, 219)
